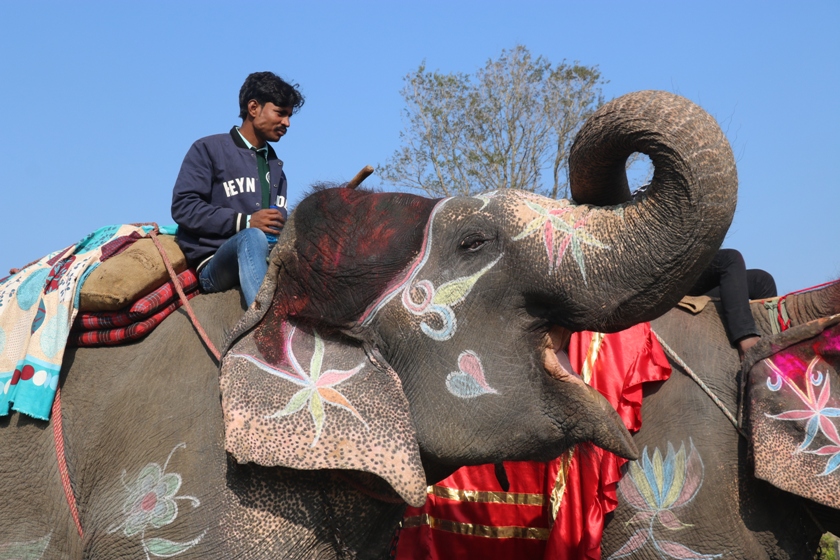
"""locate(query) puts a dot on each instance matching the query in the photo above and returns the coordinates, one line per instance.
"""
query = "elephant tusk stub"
(556, 358)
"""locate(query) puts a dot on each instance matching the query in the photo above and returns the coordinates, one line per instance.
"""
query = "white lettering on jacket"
(245, 184)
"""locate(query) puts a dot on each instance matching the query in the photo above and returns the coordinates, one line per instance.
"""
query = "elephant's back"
(125, 411)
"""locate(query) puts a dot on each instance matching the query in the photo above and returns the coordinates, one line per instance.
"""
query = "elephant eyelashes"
(473, 243)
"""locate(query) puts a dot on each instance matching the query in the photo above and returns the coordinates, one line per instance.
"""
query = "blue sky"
(101, 100)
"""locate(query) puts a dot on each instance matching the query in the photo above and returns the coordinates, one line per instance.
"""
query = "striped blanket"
(109, 328)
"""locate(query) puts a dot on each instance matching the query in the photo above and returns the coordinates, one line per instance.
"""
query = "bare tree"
(508, 126)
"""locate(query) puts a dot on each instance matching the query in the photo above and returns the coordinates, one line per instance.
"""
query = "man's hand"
(268, 220)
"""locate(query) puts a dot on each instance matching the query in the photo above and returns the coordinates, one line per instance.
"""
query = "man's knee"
(761, 284)
(727, 258)
(254, 239)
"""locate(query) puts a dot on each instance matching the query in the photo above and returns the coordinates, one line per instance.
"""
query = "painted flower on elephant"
(151, 500)
(561, 228)
(817, 412)
(151, 503)
(655, 486)
(318, 386)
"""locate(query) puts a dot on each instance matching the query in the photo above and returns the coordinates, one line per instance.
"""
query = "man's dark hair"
(265, 87)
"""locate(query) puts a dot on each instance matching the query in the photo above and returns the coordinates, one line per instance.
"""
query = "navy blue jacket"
(218, 187)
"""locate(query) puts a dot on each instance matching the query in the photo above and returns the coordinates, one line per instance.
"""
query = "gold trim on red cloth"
(591, 357)
(565, 460)
(478, 496)
(476, 530)
(556, 496)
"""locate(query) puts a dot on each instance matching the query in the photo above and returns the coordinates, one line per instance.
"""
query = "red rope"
(785, 325)
(817, 287)
(64, 473)
(186, 304)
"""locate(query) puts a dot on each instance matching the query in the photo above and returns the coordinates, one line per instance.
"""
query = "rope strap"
(63, 471)
(688, 371)
(186, 304)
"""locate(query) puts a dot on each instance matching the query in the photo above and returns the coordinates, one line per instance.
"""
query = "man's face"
(270, 121)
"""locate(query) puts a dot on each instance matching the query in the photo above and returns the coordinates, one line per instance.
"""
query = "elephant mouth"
(555, 355)
(595, 419)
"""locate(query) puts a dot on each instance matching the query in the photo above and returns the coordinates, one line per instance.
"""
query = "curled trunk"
(652, 246)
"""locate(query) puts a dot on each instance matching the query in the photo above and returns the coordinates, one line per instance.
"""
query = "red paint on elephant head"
(349, 244)
(828, 343)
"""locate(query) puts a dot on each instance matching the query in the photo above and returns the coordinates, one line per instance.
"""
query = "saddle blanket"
(111, 328)
(38, 305)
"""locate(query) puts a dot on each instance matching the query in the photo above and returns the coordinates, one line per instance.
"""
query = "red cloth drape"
(626, 360)
(468, 515)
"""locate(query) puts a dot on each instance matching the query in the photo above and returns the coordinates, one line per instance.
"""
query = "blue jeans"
(241, 260)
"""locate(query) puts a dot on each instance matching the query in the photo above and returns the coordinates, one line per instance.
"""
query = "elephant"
(712, 506)
(395, 339)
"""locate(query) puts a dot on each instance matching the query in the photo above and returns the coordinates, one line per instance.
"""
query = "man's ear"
(253, 108)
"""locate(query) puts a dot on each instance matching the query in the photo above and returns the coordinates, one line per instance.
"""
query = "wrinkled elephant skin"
(710, 505)
(394, 339)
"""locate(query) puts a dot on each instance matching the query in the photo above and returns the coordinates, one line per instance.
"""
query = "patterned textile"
(138, 329)
(141, 310)
(118, 245)
(552, 510)
(37, 308)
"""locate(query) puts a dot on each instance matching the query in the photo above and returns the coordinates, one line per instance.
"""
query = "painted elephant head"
(441, 324)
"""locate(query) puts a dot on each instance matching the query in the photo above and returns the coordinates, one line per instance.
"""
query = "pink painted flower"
(318, 387)
(817, 414)
(561, 231)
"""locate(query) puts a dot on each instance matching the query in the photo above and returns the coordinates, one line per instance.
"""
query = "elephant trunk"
(633, 260)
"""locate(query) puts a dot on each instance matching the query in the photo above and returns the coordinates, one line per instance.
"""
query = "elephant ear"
(308, 397)
(794, 410)
(326, 404)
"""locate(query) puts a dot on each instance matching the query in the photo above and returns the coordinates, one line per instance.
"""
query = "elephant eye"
(473, 242)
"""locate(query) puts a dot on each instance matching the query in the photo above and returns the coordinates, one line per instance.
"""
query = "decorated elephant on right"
(695, 492)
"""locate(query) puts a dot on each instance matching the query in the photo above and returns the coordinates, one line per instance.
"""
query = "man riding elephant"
(225, 221)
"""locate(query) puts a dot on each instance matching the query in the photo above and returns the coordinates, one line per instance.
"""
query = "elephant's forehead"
(523, 204)
(512, 206)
